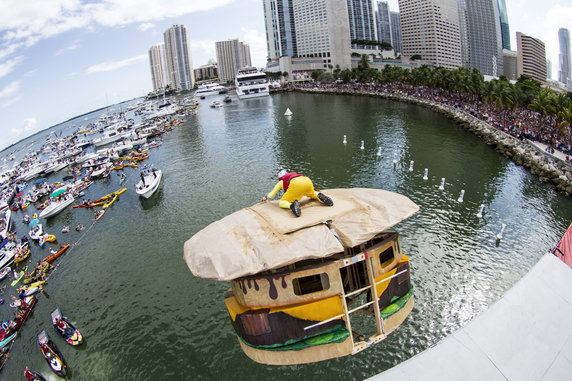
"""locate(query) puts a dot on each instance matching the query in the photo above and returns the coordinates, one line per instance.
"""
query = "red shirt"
(286, 179)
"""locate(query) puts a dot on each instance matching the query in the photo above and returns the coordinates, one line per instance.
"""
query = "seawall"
(547, 167)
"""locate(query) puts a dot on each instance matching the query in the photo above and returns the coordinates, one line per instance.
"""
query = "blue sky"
(62, 58)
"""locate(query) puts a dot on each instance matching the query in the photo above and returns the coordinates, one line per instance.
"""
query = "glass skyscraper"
(179, 66)
(505, 31)
(564, 55)
(280, 28)
(383, 22)
(361, 18)
(483, 36)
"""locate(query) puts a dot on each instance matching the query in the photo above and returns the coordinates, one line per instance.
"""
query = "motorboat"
(251, 83)
(216, 104)
(149, 183)
(210, 89)
(65, 328)
(298, 284)
(52, 354)
(5, 223)
(7, 253)
(36, 229)
(59, 203)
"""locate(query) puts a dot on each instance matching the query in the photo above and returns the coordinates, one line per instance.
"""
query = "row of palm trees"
(501, 93)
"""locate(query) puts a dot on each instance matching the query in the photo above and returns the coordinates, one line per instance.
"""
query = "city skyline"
(68, 57)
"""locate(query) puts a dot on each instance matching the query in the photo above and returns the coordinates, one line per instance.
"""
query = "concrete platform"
(527, 335)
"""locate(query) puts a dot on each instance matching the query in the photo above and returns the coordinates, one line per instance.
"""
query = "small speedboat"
(52, 354)
(33, 376)
(65, 328)
(216, 104)
(150, 180)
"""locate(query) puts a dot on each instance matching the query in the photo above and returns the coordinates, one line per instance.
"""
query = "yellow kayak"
(110, 202)
(32, 285)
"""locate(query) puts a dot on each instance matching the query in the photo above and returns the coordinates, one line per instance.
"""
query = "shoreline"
(522, 152)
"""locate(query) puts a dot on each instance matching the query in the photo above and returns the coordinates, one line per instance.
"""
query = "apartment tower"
(323, 31)
(158, 66)
(395, 32)
(383, 22)
(530, 57)
(179, 65)
(231, 56)
(362, 22)
(564, 56)
(280, 28)
(483, 37)
(430, 28)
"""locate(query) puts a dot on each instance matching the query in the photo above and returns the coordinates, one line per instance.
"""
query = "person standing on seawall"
(295, 187)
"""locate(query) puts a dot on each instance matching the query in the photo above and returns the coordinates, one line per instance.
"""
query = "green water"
(146, 317)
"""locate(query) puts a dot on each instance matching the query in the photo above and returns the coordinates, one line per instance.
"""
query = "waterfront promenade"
(526, 335)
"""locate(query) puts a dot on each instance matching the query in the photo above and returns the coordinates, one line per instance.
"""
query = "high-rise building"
(548, 69)
(463, 29)
(395, 32)
(362, 22)
(483, 36)
(505, 31)
(531, 57)
(179, 65)
(430, 28)
(231, 56)
(323, 31)
(383, 22)
(280, 28)
(509, 64)
(208, 71)
(564, 56)
(158, 66)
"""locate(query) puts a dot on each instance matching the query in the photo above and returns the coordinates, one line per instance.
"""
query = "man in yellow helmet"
(295, 187)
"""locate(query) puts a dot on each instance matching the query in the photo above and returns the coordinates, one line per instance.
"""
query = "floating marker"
(288, 112)
(362, 146)
(425, 176)
(379, 151)
(481, 210)
(460, 199)
(499, 236)
(442, 186)
(395, 158)
(345, 140)
(411, 166)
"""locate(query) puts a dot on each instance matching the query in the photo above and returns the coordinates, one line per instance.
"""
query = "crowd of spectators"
(518, 122)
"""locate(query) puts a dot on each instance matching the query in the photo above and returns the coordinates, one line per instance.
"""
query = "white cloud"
(257, 43)
(114, 65)
(73, 46)
(145, 26)
(27, 22)
(8, 66)
(207, 47)
(10, 89)
(30, 124)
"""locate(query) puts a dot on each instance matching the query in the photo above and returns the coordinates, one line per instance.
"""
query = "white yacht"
(150, 180)
(57, 206)
(251, 83)
(210, 89)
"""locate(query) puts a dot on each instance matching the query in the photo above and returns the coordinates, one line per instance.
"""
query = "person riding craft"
(295, 187)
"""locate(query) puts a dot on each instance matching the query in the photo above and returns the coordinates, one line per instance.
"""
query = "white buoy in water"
(361, 146)
(460, 199)
(426, 175)
(499, 236)
(379, 151)
(481, 210)
(442, 186)
(288, 112)
(395, 158)
(411, 166)
(345, 140)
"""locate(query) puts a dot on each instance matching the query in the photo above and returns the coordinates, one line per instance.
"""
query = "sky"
(63, 58)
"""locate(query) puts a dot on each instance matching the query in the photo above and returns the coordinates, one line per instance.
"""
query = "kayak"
(15, 281)
(50, 258)
(65, 328)
(7, 340)
(22, 256)
(52, 354)
(110, 202)
(35, 284)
